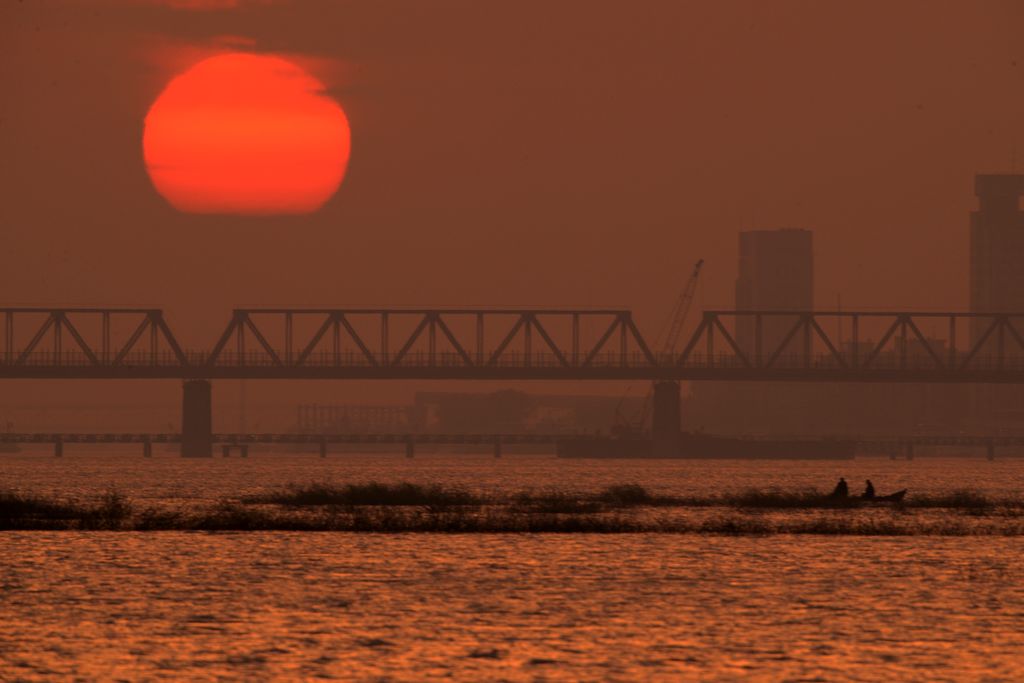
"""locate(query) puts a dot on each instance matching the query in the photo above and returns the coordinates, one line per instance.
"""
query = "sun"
(246, 134)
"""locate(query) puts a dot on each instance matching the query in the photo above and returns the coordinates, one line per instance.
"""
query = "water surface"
(518, 607)
(411, 607)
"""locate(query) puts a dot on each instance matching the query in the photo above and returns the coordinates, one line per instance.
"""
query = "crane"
(681, 310)
(669, 339)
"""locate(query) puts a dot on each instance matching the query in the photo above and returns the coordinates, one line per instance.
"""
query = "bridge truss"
(873, 345)
(97, 337)
(415, 338)
(364, 343)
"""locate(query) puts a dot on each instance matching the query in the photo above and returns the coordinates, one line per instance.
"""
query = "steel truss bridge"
(515, 344)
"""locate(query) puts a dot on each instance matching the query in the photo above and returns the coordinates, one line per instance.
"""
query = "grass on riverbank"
(29, 511)
(373, 493)
(616, 497)
(391, 508)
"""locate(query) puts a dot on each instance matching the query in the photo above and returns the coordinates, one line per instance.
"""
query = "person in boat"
(841, 490)
(869, 490)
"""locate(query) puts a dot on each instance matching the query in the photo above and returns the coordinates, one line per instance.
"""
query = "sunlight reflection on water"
(486, 607)
(197, 606)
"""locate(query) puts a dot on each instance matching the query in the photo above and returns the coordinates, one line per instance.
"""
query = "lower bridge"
(241, 442)
(893, 445)
(906, 445)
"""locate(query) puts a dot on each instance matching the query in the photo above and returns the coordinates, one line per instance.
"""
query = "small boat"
(891, 498)
(896, 497)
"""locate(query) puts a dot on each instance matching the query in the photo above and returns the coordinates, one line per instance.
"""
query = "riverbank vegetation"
(628, 508)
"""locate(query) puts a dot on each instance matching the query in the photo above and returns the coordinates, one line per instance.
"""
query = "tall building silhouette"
(997, 280)
(997, 245)
(776, 272)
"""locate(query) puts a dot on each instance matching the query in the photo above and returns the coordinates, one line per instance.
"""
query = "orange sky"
(535, 153)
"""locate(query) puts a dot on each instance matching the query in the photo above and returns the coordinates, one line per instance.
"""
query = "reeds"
(615, 497)
(626, 495)
(373, 493)
(809, 499)
(393, 508)
(26, 511)
(778, 499)
(964, 500)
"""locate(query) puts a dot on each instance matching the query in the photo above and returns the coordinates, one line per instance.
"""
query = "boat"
(891, 498)
(701, 445)
(832, 500)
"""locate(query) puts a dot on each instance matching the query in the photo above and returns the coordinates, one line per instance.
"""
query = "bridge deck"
(454, 439)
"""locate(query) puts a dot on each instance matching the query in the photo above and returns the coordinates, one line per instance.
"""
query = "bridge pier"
(497, 448)
(410, 448)
(58, 448)
(147, 449)
(323, 448)
(666, 420)
(196, 419)
(990, 450)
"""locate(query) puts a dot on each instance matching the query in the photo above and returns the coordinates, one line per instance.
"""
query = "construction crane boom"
(669, 341)
(682, 309)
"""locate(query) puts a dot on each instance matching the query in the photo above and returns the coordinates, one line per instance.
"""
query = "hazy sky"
(535, 152)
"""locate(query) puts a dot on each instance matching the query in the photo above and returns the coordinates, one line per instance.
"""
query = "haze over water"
(200, 606)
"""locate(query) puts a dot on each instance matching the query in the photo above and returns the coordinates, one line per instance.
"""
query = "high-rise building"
(997, 281)
(776, 273)
(997, 245)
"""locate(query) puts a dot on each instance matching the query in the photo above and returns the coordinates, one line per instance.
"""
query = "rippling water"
(256, 606)
(260, 605)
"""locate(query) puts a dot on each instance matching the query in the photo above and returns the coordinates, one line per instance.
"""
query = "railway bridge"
(509, 344)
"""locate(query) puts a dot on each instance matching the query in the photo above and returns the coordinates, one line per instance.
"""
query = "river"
(410, 607)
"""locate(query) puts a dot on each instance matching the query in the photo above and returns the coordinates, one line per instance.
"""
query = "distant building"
(997, 246)
(776, 272)
(316, 418)
(997, 283)
(449, 412)
(516, 412)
